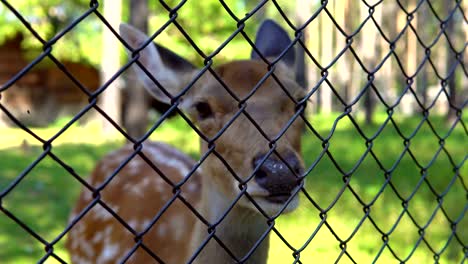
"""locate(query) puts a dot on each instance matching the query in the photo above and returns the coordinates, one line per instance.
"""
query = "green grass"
(43, 199)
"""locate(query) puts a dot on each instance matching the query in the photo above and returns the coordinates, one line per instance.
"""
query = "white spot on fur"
(138, 188)
(177, 225)
(75, 242)
(145, 223)
(108, 230)
(134, 166)
(159, 186)
(80, 260)
(88, 249)
(80, 228)
(133, 223)
(72, 216)
(191, 187)
(106, 167)
(98, 237)
(134, 189)
(101, 213)
(158, 180)
(87, 195)
(168, 160)
(145, 181)
(108, 253)
(162, 230)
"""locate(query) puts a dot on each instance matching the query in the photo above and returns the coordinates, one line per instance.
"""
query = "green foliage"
(207, 22)
(49, 18)
(208, 25)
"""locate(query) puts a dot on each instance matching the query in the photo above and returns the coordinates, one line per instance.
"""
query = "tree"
(422, 78)
(302, 14)
(326, 57)
(356, 71)
(389, 72)
(370, 51)
(137, 103)
(110, 64)
(305, 9)
(411, 52)
(48, 18)
(451, 61)
(343, 70)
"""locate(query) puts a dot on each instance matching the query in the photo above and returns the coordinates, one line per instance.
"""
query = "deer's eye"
(203, 110)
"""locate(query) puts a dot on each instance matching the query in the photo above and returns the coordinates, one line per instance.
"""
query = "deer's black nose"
(276, 177)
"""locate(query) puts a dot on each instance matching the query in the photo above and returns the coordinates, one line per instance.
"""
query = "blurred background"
(394, 70)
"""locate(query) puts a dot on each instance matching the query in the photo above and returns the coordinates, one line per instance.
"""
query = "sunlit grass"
(44, 198)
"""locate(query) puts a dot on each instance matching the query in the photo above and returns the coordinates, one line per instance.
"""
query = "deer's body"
(106, 240)
(138, 193)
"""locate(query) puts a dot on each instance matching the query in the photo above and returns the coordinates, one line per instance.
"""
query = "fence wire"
(455, 223)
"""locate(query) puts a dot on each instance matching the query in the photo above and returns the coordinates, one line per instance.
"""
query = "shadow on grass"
(44, 198)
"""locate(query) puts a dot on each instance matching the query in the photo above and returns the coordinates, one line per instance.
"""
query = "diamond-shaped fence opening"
(377, 158)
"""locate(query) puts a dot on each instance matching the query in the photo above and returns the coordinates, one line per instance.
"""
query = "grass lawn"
(43, 199)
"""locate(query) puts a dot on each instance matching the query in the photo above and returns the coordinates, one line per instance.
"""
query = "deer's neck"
(239, 231)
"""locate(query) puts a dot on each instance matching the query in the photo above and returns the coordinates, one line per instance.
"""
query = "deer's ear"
(168, 68)
(271, 41)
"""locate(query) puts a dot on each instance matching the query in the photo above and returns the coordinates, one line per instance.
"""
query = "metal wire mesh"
(326, 141)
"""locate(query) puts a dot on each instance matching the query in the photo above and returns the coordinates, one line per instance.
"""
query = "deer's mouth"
(273, 203)
(279, 198)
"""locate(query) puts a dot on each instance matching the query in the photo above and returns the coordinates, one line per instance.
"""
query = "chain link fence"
(431, 194)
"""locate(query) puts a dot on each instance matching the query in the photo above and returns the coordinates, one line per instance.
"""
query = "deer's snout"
(276, 177)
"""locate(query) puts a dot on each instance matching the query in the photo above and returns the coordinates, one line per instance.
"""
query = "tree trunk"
(326, 58)
(343, 70)
(355, 81)
(464, 77)
(313, 44)
(411, 62)
(451, 60)
(422, 82)
(137, 103)
(110, 64)
(302, 14)
(301, 67)
(390, 68)
(370, 47)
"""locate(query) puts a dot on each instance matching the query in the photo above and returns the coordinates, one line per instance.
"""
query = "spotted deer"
(138, 193)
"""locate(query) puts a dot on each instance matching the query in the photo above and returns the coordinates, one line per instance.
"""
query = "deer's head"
(211, 107)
